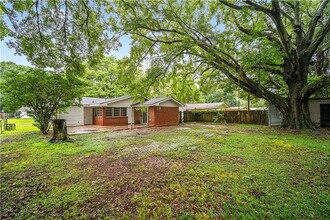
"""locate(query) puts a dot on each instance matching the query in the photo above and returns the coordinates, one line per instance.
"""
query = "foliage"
(103, 80)
(56, 35)
(275, 50)
(220, 117)
(204, 171)
(267, 48)
(141, 81)
(179, 86)
(44, 92)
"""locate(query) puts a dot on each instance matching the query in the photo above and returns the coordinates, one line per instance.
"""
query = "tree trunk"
(297, 115)
(60, 131)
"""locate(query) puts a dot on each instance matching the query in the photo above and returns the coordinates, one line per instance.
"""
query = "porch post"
(132, 116)
(103, 115)
(147, 116)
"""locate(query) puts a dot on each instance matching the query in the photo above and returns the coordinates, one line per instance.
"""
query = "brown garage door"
(325, 115)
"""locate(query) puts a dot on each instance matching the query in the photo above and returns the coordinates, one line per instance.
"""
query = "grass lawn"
(22, 125)
(195, 171)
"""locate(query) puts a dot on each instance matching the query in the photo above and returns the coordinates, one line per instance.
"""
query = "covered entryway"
(159, 112)
(325, 115)
(144, 117)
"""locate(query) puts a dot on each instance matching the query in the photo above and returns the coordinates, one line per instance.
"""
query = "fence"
(239, 116)
(8, 115)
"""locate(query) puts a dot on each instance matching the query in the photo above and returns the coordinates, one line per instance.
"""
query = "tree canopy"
(57, 35)
(103, 80)
(44, 92)
(275, 50)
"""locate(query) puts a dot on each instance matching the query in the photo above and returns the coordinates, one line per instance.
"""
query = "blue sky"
(8, 54)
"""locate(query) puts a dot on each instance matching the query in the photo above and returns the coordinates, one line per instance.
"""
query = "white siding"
(275, 118)
(129, 115)
(314, 109)
(169, 103)
(123, 103)
(74, 116)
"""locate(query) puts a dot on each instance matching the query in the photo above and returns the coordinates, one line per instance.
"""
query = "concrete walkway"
(85, 129)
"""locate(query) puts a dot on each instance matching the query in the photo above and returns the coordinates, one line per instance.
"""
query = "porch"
(86, 129)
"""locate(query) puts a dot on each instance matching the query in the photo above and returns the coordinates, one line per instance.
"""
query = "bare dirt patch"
(123, 177)
(256, 193)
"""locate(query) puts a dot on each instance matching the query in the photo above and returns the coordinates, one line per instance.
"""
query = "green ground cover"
(195, 171)
(22, 125)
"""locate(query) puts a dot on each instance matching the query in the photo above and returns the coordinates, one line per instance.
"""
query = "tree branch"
(38, 21)
(317, 16)
(313, 87)
(318, 40)
(270, 70)
(231, 5)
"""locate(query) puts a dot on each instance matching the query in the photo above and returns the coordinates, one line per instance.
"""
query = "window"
(116, 112)
(98, 112)
(108, 111)
(123, 111)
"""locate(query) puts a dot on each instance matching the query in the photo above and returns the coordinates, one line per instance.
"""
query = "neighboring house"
(23, 112)
(319, 111)
(122, 111)
(158, 112)
(205, 106)
(244, 108)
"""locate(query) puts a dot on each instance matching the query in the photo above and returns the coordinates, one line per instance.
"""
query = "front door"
(144, 118)
(325, 115)
(88, 116)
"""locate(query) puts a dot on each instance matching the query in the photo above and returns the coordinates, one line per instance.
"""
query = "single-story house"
(122, 111)
(205, 106)
(319, 111)
(158, 112)
(97, 111)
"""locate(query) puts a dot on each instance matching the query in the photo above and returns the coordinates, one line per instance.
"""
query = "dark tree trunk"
(296, 115)
(60, 131)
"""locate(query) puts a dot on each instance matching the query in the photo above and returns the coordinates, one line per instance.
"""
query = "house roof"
(203, 106)
(91, 101)
(117, 99)
(157, 102)
(86, 101)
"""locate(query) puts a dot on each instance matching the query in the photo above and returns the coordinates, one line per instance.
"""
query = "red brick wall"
(116, 121)
(110, 121)
(98, 120)
(163, 116)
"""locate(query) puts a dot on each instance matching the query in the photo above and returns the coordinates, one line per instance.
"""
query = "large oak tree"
(276, 50)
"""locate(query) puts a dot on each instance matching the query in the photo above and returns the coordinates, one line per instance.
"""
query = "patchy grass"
(22, 125)
(195, 171)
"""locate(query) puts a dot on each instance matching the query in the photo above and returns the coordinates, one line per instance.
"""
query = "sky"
(8, 54)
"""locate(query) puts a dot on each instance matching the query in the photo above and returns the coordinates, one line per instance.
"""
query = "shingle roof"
(116, 99)
(155, 101)
(91, 100)
(201, 106)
